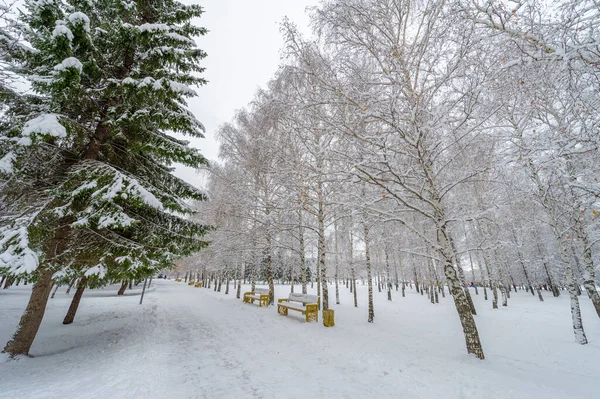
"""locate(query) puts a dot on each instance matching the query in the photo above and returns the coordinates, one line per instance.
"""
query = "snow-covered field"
(186, 342)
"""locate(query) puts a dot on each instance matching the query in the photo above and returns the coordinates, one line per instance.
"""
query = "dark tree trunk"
(123, 288)
(70, 286)
(144, 290)
(56, 286)
(21, 341)
(75, 302)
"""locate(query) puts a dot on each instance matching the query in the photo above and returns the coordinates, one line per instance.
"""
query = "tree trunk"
(416, 280)
(70, 286)
(589, 281)
(539, 292)
(301, 250)
(369, 278)
(123, 288)
(337, 266)
(460, 299)
(56, 286)
(144, 290)
(504, 295)
(270, 272)
(21, 341)
(432, 294)
(571, 285)
(461, 277)
(471, 263)
(397, 282)
(521, 262)
(70, 316)
(387, 271)
(321, 253)
(491, 282)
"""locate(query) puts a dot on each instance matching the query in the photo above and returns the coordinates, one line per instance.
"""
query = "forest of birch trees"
(429, 145)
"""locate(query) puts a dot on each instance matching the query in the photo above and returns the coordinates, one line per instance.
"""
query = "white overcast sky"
(243, 46)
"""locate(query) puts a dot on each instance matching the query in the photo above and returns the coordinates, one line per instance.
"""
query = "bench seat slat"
(294, 305)
(304, 298)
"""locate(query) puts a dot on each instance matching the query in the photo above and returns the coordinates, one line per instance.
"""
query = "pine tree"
(89, 157)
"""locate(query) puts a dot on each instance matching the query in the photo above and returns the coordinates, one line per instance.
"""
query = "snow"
(24, 141)
(119, 220)
(85, 187)
(79, 18)
(97, 270)
(154, 28)
(37, 4)
(181, 88)
(131, 185)
(45, 124)
(70, 62)
(187, 342)
(180, 38)
(168, 29)
(17, 256)
(6, 163)
(62, 30)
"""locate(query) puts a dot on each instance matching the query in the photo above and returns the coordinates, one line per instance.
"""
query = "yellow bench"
(259, 294)
(306, 304)
(191, 283)
(198, 284)
(178, 280)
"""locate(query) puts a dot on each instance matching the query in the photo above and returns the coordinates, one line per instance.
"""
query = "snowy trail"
(187, 342)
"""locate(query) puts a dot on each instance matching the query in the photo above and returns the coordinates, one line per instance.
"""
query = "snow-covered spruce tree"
(88, 160)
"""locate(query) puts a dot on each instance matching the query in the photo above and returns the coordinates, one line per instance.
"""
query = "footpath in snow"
(187, 342)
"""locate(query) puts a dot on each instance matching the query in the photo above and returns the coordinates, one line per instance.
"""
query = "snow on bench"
(259, 294)
(304, 303)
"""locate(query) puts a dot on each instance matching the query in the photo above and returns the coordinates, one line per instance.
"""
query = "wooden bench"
(259, 294)
(306, 304)
(198, 284)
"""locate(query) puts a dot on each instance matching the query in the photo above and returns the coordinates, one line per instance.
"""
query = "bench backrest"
(304, 298)
(261, 291)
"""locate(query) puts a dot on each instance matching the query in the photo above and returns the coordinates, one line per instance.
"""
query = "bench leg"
(312, 313)
(282, 310)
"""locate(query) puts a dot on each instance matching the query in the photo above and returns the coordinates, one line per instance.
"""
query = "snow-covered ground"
(187, 342)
